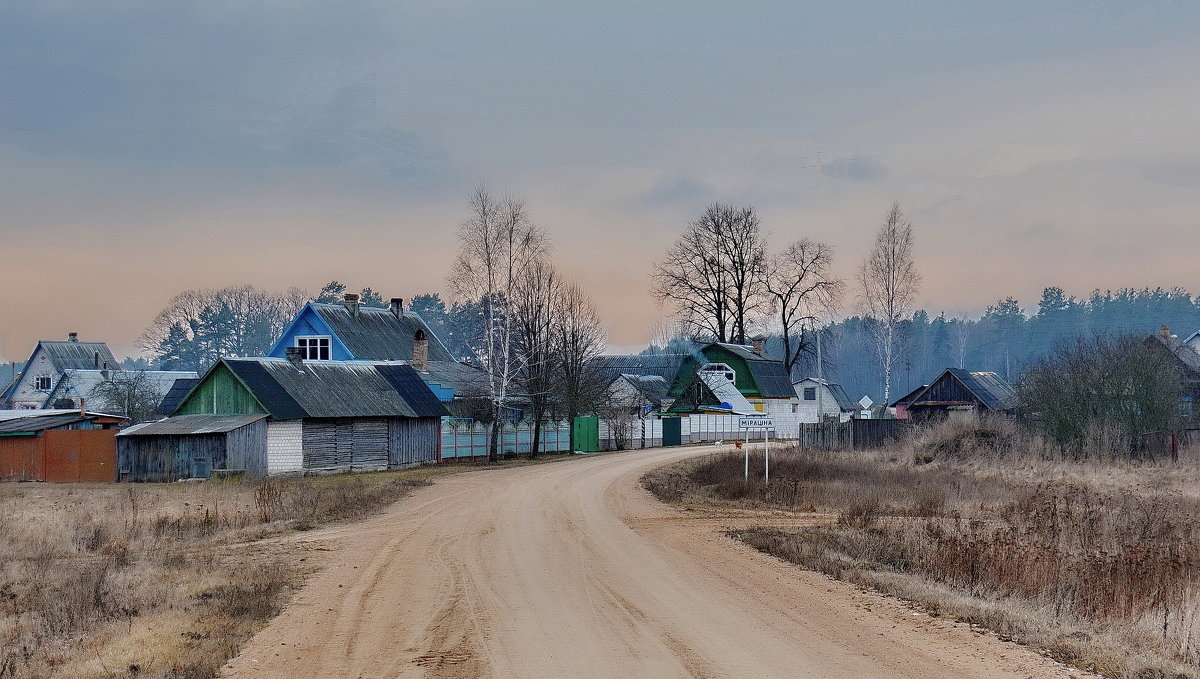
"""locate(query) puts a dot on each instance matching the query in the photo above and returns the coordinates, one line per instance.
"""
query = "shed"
(957, 390)
(344, 415)
(65, 446)
(192, 446)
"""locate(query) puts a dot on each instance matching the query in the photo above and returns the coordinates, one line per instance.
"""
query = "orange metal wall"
(86, 455)
(66, 456)
(21, 458)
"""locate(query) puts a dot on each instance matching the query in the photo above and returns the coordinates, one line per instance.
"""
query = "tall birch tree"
(888, 283)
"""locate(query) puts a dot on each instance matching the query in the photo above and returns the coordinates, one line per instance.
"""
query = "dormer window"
(313, 347)
(720, 369)
(43, 383)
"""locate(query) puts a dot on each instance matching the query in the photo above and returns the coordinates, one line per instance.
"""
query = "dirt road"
(572, 570)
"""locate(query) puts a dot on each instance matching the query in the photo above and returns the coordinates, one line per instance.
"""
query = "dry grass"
(1096, 563)
(156, 580)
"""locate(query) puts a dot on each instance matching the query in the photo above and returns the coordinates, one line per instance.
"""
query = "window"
(795, 407)
(42, 383)
(810, 393)
(314, 348)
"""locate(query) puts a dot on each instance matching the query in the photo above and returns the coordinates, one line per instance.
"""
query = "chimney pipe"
(1165, 332)
(420, 359)
(396, 304)
(72, 337)
(759, 344)
(295, 356)
(350, 301)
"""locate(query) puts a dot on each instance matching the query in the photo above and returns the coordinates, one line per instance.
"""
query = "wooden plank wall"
(246, 448)
(167, 458)
(349, 442)
(413, 441)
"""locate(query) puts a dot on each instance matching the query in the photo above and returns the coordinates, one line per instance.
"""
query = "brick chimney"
(420, 359)
(295, 355)
(759, 343)
(1165, 332)
(396, 304)
(350, 301)
(72, 337)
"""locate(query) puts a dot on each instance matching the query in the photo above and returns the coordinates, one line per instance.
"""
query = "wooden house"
(763, 381)
(66, 446)
(960, 391)
(900, 405)
(315, 415)
(352, 332)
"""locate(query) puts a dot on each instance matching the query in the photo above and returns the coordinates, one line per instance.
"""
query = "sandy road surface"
(572, 570)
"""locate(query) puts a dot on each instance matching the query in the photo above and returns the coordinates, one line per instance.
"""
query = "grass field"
(163, 580)
(1097, 563)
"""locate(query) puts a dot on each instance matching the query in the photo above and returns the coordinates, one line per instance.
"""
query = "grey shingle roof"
(68, 355)
(336, 388)
(989, 387)
(175, 394)
(377, 334)
(666, 366)
(76, 384)
(191, 424)
(465, 380)
(651, 387)
(769, 374)
(839, 393)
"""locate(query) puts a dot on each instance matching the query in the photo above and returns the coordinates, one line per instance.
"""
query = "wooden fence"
(851, 435)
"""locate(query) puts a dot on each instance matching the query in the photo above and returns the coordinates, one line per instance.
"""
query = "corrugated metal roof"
(988, 387)
(43, 421)
(465, 380)
(377, 334)
(335, 388)
(76, 384)
(651, 387)
(675, 369)
(67, 355)
(1185, 354)
(726, 392)
(191, 424)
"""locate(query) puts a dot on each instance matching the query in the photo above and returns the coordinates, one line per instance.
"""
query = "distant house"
(960, 391)
(79, 387)
(761, 380)
(289, 415)
(832, 399)
(58, 446)
(901, 404)
(46, 366)
(640, 393)
(351, 332)
(1186, 355)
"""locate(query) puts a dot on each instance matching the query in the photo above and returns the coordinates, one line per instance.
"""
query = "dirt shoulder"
(575, 570)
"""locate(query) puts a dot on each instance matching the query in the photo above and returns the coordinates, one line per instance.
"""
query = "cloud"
(858, 168)
(1185, 174)
(681, 191)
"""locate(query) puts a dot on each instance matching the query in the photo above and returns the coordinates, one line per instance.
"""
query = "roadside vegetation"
(1095, 559)
(159, 580)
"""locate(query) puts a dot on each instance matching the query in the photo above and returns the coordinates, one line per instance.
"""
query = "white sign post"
(766, 424)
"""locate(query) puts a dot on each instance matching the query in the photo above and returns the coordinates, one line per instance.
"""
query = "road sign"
(756, 423)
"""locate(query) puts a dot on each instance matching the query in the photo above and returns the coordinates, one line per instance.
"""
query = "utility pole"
(820, 381)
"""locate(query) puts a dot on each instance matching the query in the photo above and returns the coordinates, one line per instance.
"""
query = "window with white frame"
(43, 382)
(313, 347)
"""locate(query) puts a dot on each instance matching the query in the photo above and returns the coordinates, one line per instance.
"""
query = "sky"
(147, 147)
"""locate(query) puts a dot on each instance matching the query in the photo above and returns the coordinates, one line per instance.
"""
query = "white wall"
(285, 446)
(807, 410)
(27, 395)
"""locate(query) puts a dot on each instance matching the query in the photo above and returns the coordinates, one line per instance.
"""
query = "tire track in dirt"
(572, 570)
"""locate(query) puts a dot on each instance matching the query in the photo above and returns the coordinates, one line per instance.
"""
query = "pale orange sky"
(1030, 148)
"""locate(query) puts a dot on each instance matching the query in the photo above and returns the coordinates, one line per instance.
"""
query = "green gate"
(587, 433)
(672, 428)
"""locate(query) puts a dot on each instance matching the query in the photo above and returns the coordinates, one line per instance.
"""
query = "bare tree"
(713, 274)
(579, 338)
(888, 281)
(534, 341)
(960, 337)
(800, 287)
(497, 245)
(130, 393)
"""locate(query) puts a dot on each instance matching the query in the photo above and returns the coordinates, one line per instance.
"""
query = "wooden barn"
(959, 391)
(192, 446)
(63, 446)
(312, 415)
